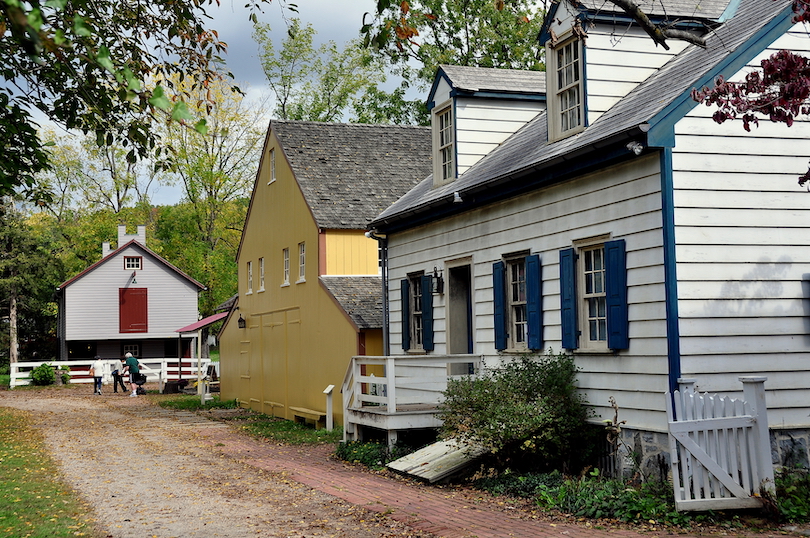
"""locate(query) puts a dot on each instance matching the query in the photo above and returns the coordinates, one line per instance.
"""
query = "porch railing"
(397, 382)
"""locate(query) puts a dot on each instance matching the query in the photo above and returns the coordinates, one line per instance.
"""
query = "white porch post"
(391, 385)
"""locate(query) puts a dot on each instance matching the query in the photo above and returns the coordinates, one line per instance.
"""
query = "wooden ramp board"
(437, 461)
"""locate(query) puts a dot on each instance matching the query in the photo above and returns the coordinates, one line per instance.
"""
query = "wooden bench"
(302, 415)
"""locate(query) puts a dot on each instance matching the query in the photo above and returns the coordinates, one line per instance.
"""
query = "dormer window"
(444, 169)
(566, 107)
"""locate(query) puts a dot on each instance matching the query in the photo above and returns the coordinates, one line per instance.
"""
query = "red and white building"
(131, 300)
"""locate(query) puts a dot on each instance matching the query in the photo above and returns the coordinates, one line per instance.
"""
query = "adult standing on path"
(117, 367)
(131, 367)
(98, 374)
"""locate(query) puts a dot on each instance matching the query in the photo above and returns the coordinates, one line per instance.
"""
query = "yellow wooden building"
(310, 290)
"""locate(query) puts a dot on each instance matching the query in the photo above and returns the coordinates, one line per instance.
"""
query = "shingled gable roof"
(349, 173)
(526, 161)
(501, 81)
(669, 10)
(137, 246)
(359, 296)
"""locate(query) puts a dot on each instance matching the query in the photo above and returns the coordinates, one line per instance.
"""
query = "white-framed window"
(593, 298)
(272, 157)
(302, 262)
(566, 115)
(261, 274)
(133, 262)
(516, 298)
(444, 147)
(285, 255)
(415, 309)
(249, 277)
(593, 295)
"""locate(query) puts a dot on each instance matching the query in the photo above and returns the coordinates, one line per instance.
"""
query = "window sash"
(416, 312)
(302, 261)
(249, 277)
(517, 303)
(445, 120)
(261, 273)
(285, 254)
(132, 262)
(594, 296)
(568, 92)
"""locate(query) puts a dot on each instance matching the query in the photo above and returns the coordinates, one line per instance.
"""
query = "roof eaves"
(662, 124)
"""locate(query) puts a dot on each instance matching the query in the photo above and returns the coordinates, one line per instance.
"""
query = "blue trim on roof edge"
(507, 187)
(430, 102)
(670, 270)
(663, 124)
(485, 94)
(730, 11)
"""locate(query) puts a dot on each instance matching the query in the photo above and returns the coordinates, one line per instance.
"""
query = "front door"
(459, 328)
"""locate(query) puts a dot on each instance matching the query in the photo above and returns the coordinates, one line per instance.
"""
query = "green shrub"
(528, 413)
(64, 373)
(43, 375)
(793, 494)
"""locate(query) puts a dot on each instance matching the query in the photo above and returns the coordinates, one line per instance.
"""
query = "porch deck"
(398, 393)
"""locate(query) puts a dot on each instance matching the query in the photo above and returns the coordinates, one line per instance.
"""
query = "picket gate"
(719, 447)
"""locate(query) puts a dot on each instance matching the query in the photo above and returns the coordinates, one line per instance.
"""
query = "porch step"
(437, 461)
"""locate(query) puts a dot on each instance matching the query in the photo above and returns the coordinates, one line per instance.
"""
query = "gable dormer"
(474, 109)
(596, 54)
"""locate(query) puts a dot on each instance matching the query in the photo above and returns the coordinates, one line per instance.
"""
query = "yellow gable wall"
(297, 340)
(350, 252)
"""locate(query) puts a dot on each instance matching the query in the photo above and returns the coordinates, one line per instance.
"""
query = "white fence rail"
(719, 447)
(156, 370)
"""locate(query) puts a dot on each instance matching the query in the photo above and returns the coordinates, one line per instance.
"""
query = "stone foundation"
(643, 455)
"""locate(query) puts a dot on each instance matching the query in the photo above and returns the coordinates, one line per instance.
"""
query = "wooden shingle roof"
(359, 296)
(527, 160)
(349, 173)
(477, 79)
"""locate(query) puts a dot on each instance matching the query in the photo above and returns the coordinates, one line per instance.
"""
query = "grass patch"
(34, 502)
(191, 402)
(5, 380)
(289, 432)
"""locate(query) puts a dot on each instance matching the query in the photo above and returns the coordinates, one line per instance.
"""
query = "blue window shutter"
(405, 290)
(499, 292)
(427, 312)
(616, 291)
(568, 298)
(534, 302)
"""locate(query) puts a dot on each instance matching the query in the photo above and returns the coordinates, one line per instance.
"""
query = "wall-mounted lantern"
(241, 322)
(438, 281)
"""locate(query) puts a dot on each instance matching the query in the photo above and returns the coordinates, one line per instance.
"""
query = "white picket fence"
(156, 370)
(719, 447)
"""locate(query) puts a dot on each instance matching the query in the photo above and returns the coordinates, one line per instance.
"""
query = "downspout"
(382, 239)
(670, 272)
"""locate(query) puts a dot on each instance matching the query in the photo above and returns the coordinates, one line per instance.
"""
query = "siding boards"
(482, 124)
(624, 201)
(743, 256)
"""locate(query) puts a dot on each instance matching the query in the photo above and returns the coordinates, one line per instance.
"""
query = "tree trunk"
(13, 344)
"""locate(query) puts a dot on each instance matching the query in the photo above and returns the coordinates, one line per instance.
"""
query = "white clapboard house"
(132, 300)
(600, 211)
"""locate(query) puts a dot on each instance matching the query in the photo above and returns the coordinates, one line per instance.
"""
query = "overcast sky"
(335, 20)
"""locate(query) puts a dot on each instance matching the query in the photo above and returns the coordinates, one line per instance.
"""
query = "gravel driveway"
(146, 474)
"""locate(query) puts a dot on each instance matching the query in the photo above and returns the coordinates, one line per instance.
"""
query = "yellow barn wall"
(350, 252)
(297, 340)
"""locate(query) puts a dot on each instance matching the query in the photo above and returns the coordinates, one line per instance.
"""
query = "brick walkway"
(444, 512)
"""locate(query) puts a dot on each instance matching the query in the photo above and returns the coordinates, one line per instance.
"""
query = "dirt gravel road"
(146, 474)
